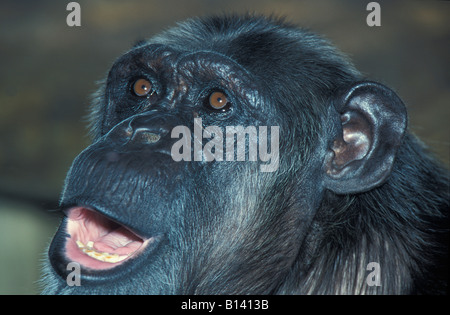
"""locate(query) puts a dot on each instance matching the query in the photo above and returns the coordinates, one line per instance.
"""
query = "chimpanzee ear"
(373, 121)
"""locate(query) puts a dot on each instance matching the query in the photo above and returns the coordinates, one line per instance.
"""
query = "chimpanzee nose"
(141, 129)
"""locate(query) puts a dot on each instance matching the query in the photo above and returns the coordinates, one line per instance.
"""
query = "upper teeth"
(89, 250)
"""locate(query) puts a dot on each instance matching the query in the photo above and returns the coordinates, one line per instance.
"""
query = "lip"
(102, 246)
(99, 243)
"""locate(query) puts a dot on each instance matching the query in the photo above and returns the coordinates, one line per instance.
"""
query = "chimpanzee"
(241, 154)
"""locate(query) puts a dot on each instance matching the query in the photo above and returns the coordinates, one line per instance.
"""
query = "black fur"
(227, 228)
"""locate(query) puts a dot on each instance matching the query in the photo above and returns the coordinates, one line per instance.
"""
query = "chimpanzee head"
(215, 147)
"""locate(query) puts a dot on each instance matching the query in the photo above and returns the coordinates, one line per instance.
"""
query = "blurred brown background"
(48, 71)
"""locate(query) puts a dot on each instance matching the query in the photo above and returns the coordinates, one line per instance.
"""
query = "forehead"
(174, 66)
(165, 58)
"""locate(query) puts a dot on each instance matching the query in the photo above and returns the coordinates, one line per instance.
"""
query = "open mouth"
(99, 243)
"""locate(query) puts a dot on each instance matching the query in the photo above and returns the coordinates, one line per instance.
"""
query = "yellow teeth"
(89, 250)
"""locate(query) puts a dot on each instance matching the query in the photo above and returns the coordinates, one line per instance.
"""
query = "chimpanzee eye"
(142, 87)
(218, 100)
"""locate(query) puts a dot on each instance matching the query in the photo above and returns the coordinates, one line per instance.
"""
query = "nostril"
(140, 130)
(145, 136)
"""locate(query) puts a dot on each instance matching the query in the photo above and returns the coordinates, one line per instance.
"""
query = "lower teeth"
(89, 250)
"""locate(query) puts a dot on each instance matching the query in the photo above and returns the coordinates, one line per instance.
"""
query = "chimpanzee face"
(177, 126)
(220, 152)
